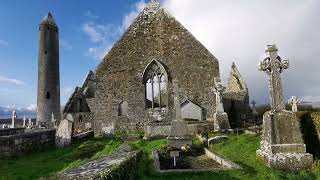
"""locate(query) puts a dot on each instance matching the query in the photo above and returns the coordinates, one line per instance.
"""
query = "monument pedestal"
(180, 135)
(282, 146)
(221, 122)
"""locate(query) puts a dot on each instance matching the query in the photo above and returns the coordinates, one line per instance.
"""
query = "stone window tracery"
(155, 81)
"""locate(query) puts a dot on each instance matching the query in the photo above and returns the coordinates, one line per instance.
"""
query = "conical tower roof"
(48, 20)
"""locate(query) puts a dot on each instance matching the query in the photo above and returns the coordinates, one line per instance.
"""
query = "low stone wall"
(225, 162)
(11, 131)
(162, 129)
(29, 141)
(123, 164)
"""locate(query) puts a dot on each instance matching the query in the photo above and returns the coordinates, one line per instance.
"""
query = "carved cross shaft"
(218, 90)
(273, 65)
(177, 100)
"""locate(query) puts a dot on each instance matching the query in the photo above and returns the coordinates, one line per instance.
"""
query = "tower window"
(48, 95)
(45, 52)
(48, 28)
(80, 119)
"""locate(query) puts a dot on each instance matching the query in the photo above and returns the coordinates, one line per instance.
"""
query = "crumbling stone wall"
(11, 131)
(80, 104)
(236, 99)
(154, 35)
(29, 141)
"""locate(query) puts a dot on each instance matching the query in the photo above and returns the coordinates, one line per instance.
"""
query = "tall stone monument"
(24, 121)
(220, 118)
(282, 146)
(179, 134)
(294, 101)
(48, 100)
(13, 119)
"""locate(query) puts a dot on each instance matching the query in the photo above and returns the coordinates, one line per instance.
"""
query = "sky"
(233, 31)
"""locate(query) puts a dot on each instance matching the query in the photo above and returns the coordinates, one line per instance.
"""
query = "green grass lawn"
(238, 148)
(43, 164)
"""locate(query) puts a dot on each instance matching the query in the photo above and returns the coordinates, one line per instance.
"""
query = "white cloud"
(4, 79)
(91, 15)
(67, 91)
(129, 18)
(240, 30)
(65, 44)
(103, 36)
(3, 43)
(31, 107)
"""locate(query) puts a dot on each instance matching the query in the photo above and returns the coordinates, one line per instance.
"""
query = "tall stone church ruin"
(133, 85)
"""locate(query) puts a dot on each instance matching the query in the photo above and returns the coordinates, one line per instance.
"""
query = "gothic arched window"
(155, 79)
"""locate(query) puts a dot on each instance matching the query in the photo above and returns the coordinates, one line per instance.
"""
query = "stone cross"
(13, 119)
(253, 102)
(218, 90)
(24, 121)
(273, 65)
(29, 122)
(294, 101)
(177, 99)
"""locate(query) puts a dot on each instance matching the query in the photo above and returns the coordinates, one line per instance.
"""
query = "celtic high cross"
(218, 90)
(273, 65)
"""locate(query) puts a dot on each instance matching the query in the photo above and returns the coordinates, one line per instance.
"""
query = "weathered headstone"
(108, 129)
(220, 118)
(24, 121)
(179, 134)
(294, 101)
(282, 146)
(13, 119)
(64, 132)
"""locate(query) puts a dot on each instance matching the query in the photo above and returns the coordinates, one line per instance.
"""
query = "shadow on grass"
(43, 164)
(310, 135)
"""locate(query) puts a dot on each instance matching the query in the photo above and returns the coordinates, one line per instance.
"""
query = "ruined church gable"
(235, 82)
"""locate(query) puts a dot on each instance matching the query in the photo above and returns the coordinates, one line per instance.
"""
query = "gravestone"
(254, 111)
(29, 122)
(24, 121)
(220, 118)
(294, 101)
(64, 132)
(282, 146)
(108, 129)
(190, 110)
(13, 119)
(179, 134)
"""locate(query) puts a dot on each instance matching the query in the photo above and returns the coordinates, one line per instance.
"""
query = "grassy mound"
(44, 164)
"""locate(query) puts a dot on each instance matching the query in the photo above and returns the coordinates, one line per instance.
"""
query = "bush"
(87, 150)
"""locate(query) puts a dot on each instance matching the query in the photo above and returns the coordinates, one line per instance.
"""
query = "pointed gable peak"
(48, 20)
(152, 7)
(235, 81)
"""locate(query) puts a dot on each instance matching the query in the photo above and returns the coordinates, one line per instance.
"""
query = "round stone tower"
(48, 101)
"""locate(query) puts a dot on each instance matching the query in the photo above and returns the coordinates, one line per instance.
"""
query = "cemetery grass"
(238, 148)
(48, 163)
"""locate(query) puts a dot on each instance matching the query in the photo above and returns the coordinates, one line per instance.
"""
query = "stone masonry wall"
(11, 131)
(14, 145)
(154, 35)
